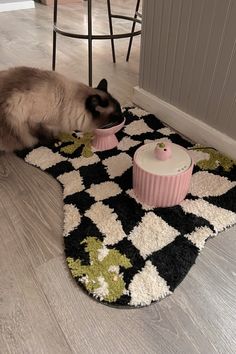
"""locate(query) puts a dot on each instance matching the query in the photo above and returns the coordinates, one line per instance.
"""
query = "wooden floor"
(41, 308)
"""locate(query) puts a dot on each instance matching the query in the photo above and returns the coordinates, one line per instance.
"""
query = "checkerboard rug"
(120, 252)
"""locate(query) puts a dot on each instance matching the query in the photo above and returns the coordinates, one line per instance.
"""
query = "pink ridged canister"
(161, 174)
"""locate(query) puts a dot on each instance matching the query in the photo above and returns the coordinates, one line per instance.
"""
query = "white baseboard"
(20, 5)
(186, 124)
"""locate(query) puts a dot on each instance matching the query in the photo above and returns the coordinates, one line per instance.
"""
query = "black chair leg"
(54, 49)
(111, 30)
(132, 31)
(54, 41)
(90, 52)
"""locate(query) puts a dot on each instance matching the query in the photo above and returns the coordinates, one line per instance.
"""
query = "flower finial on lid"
(163, 150)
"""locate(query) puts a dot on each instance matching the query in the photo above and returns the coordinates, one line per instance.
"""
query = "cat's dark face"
(104, 108)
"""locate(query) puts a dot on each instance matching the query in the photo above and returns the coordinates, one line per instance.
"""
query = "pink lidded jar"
(161, 174)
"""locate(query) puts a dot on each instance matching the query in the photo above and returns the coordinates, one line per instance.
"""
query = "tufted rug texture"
(121, 252)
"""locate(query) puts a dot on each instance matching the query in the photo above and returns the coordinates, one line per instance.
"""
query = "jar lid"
(178, 162)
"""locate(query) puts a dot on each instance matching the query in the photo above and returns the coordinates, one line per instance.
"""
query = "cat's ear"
(102, 85)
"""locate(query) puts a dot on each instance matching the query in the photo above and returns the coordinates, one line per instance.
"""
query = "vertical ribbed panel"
(188, 57)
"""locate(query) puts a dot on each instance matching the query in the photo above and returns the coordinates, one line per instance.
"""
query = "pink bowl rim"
(165, 176)
(110, 130)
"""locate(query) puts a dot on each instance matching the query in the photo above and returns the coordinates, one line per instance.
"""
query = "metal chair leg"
(111, 30)
(132, 31)
(54, 41)
(90, 53)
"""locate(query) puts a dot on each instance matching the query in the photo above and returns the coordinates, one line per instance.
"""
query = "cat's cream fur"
(36, 103)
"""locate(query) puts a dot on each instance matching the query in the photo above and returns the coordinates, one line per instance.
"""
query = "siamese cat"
(37, 104)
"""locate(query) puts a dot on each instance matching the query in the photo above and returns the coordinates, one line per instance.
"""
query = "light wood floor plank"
(27, 324)
(32, 202)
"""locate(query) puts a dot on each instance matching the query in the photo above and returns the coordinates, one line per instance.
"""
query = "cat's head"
(103, 108)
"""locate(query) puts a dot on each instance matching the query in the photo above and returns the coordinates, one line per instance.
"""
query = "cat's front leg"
(45, 134)
(26, 137)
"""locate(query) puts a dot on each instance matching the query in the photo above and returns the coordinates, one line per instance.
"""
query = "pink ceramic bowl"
(161, 178)
(105, 139)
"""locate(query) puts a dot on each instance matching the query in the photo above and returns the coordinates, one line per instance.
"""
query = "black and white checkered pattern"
(161, 243)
